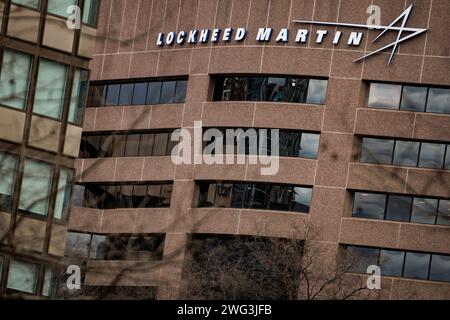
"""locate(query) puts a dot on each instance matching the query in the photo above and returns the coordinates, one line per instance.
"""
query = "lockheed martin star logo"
(413, 32)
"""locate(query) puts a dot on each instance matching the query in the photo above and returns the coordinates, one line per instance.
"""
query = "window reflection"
(399, 208)
(391, 262)
(137, 93)
(432, 155)
(255, 196)
(384, 96)
(276, 89)
(438, 100)
(377, 151)
(416, 265)
(317, 91)
(424, 210)
(369, 205)
(406, 153)
(127, 196)
(360, 258)
(444, 212)
(414, 99)
(440, 268)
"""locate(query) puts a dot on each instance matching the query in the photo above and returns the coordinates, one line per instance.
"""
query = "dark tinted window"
(391, 262)
(168, 92)
(132, 145)
(369, 205)
(255, 196)
(127, 196)
(432, 155)
(377, 151)
(447, 158)
(424, 210)
(406, 153)
(399, 208)
(112, 95)
(160, 144)
(416, 265)
(180, 93)
(414, 99)
(140, 93)
(440, 268)
(438, 100)
(444, 212)
(154, 92)
(126, 94)
(360, 258)
(97, 96)
(277, 89)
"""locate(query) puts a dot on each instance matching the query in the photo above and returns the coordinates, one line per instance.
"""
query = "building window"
(438, 100)
(397, 263)
(377, 151)
(126, 145)
(50, 89)
(255, 196)
(276, 89)
(409, 98)
(444, 213)
(359, 258)
(440, 268)
(22, 277)
(294, 144)
(391, 262)
(78, 98)
(414, 99)
(36, 188)
(424, 210)
(34, 4)
(115, 247)
(384, 96)
(8, 168)
(50, 285)
(416, 265)
(401, 208)
(14, 79)
(63, 194)
(90, 12)
(432, 155)
(369, 205)
(60, 7)
(405, 153)
(137, 93)
(127, 196)
(77, 245)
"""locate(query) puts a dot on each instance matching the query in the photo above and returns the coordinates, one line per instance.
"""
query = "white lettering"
(215, 35)
(355, 38)
(301, 36)
(264, 34)
(180, 37)
(337, 37)
(283, 36)
(160, 41)
(192, 36)
(320, 35)
(241, 33)
(227, 34)
(170, 38)
(204, 36)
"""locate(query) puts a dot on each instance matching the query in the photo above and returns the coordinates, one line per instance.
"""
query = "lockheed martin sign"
(300, 36)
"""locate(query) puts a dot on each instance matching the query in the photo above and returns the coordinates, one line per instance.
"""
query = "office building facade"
(360, 94)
